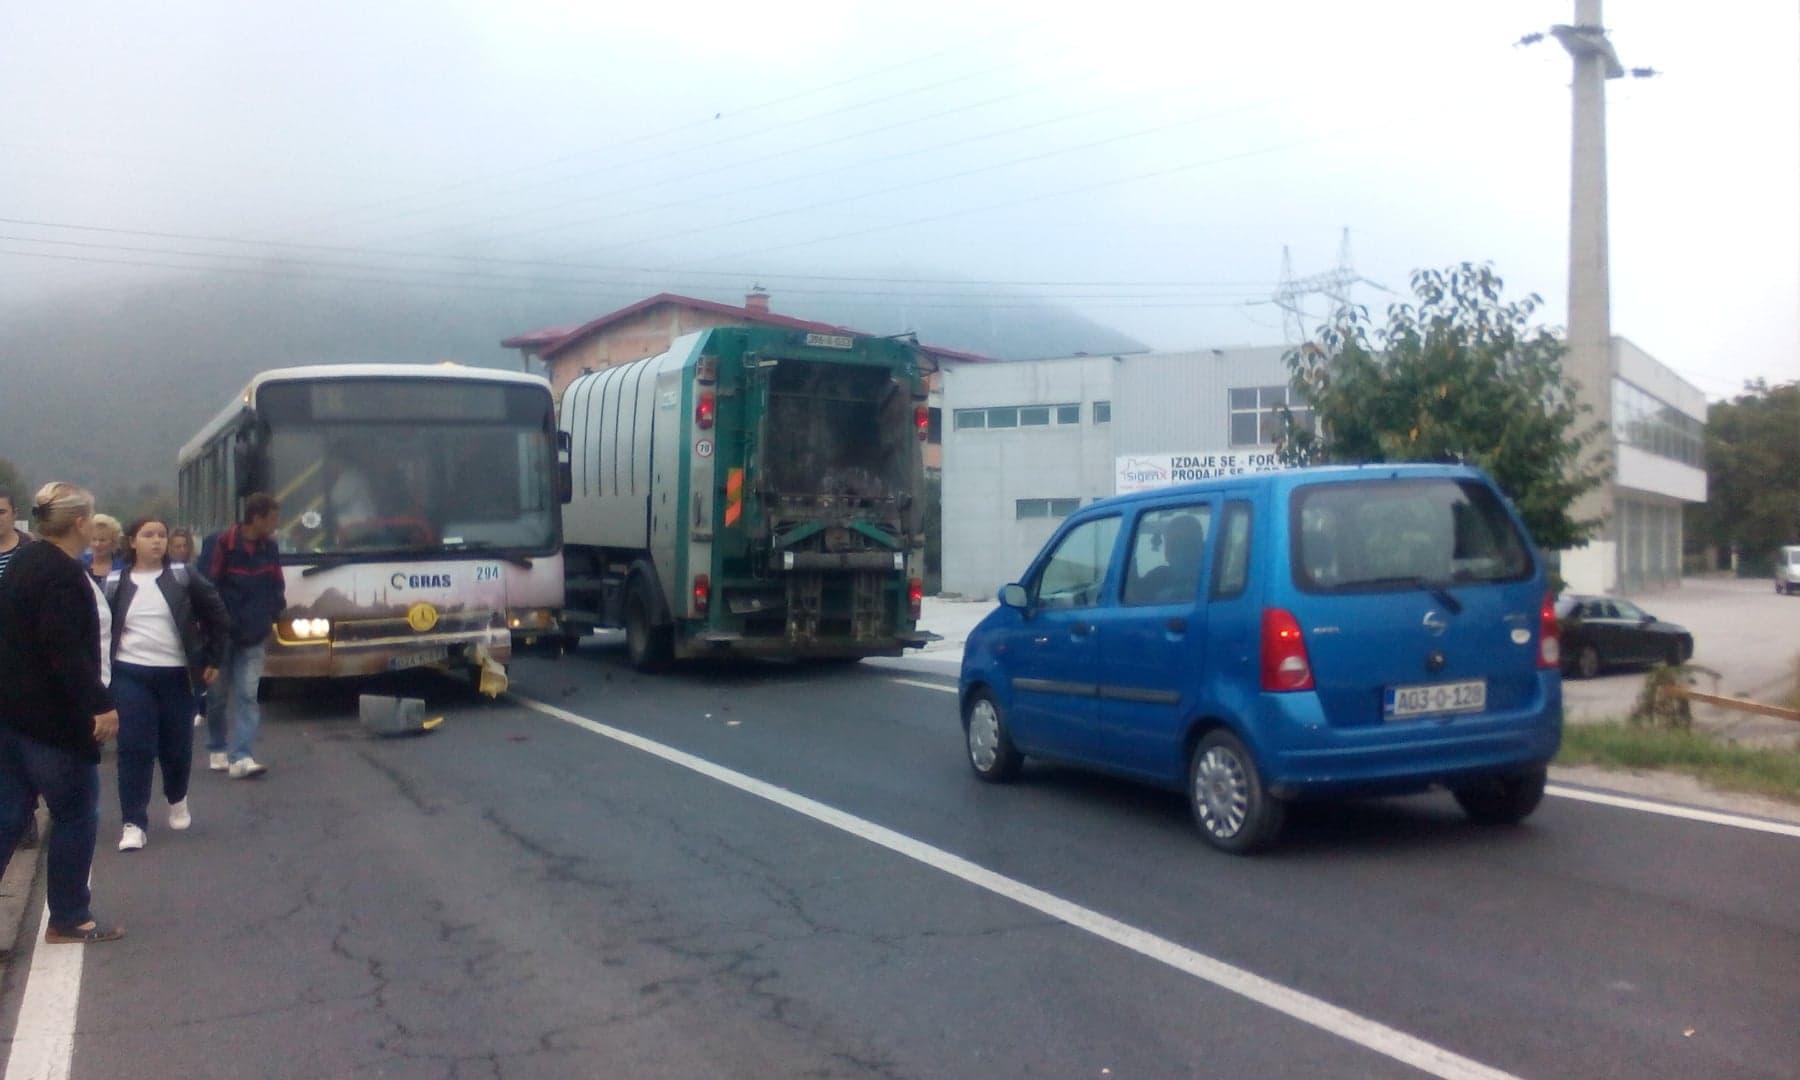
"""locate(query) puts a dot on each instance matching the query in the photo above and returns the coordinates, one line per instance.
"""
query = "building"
(1028, 442)
(1654, 454)
(651, 325)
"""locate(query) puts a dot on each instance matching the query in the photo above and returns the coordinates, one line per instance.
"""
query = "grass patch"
(1771, 772)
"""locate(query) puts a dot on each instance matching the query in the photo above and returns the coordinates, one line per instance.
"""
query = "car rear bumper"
(1303, 755)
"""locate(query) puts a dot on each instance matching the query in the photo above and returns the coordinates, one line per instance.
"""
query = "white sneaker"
(179, 818)
(245, 768)
(133, 839)
(199, 719)
(218, 762)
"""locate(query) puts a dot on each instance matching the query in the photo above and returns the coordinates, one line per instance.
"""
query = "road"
(517, 895)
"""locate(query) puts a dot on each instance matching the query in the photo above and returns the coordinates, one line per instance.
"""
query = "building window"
(1656, 427)
(1014, 416)
(1257, 414)
(1102, 412)
(1026, 509)
(934, 430)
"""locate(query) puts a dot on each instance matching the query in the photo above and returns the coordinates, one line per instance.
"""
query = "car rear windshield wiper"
(1435, 588)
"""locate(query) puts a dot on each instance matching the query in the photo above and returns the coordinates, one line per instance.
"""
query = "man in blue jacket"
(244, 562)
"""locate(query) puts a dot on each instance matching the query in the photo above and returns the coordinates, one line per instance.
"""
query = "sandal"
(78, 936)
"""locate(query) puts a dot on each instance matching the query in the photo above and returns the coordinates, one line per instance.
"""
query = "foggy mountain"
(103, 385)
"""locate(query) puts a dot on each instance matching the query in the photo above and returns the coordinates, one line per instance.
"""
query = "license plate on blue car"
(1435, 699)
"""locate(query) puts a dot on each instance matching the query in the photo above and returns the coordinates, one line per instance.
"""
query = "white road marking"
(925, 685)
(43, 1044)
(1714, 817)
(1321, 1014)
(1625, 802)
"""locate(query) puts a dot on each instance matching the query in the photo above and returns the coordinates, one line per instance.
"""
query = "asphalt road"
(516, 896)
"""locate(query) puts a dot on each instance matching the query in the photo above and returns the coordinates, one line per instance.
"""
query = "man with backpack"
(244, 563)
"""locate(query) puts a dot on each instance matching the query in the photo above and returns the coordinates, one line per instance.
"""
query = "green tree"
(1461, 375)
(1753, 473)
(11, 479)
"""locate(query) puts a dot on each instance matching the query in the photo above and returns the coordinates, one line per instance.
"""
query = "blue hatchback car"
(1317, 633)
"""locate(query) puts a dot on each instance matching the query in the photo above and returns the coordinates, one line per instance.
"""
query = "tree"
(11, 479)
(1753, 473)
(1461, 375)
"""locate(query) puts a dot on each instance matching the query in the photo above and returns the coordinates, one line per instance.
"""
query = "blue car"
(1257, 640)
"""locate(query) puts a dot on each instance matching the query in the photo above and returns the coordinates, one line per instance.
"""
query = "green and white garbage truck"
(751, 490)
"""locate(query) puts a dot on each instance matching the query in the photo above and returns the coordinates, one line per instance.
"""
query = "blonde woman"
(57, 710)
(102, 555)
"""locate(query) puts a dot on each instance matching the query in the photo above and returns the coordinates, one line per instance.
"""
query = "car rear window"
(1380, 534)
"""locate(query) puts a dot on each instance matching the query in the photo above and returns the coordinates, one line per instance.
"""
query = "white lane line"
(1625, 802)
(1321, 1014)
(1714, 817)
(925, 685)
(43, 1044)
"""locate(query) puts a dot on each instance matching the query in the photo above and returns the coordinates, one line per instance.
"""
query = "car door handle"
(1080, 630)
(1176, 626)
(1041, 640)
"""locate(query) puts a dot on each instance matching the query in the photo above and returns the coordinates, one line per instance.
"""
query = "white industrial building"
(1027, 442)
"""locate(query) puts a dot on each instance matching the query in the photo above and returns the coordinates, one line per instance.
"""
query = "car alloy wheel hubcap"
(1222, 792)
(984, 735)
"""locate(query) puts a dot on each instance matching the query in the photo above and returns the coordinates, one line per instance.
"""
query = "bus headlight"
(540, 619)
(310, 629)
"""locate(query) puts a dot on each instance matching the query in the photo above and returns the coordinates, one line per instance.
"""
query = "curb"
(16, 889)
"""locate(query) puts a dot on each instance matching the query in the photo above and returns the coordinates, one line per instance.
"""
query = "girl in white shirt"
(168, 634)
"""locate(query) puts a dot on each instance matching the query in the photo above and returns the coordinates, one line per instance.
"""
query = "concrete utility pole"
(1590, 315)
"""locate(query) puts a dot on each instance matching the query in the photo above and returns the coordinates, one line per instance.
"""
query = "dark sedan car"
(1603, 631)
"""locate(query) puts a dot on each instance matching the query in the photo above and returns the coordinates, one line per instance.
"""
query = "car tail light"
(915, 598)
(1549, 635)
(706, 407)
(702, 593)
(922, 421)
(1285, 667)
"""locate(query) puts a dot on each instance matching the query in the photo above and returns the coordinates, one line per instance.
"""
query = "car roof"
(1287, 479)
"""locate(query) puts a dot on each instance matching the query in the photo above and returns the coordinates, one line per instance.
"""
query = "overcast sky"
(1155, 157)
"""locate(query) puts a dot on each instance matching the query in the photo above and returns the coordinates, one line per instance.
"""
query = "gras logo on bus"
(420, 581)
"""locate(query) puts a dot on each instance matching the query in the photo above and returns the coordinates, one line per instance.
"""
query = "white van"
(1787, 569)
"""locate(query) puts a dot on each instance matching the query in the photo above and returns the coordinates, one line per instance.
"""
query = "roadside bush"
(1657, 706)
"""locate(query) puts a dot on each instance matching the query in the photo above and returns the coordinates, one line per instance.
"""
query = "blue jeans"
(71, 789)
(156, 726)
(231, 702)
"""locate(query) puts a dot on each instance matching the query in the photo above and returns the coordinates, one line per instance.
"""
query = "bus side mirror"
(565, 468)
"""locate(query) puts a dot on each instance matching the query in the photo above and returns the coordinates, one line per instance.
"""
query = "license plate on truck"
(1435, 699)
(422, 658)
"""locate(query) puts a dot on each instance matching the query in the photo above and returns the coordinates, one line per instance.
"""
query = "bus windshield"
(400, 465)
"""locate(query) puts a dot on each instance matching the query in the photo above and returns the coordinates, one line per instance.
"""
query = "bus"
(420, 520)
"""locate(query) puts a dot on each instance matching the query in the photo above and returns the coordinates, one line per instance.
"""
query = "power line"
(1009, 203)
(559, 264)
(926, 181)
(1008, 30)
(1010, 302)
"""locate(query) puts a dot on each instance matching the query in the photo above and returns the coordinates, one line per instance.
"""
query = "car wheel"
(1234, 810)
(991, 751)
(1502, 800)
(1587, 662)
(648, 647)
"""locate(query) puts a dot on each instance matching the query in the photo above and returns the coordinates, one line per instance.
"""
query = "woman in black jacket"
(55, 711)
(169, 630)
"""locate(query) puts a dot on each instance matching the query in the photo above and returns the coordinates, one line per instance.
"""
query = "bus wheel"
(647, 646)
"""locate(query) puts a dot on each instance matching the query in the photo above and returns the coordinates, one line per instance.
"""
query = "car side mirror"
(1015, 596)
(565, 468)
(1646, 618)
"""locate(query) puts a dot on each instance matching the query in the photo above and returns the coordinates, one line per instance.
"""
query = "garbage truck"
(754, 491)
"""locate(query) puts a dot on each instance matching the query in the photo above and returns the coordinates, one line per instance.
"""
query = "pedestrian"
(56, 711)
(102, 556)
(181, 546)
(12, 540)
(244, 563)
(169, 630)
(181, 554)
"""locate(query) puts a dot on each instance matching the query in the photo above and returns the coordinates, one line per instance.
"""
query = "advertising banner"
(1142, 472)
